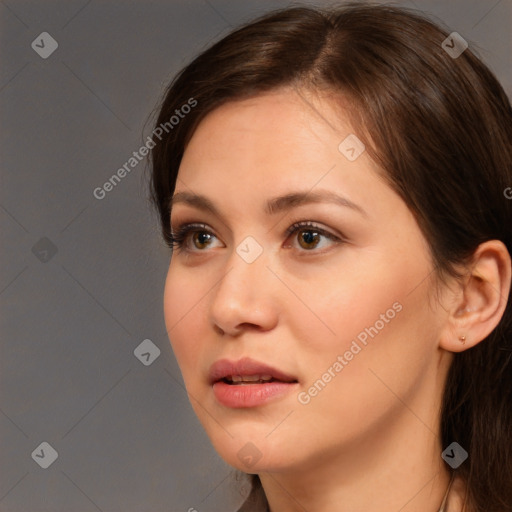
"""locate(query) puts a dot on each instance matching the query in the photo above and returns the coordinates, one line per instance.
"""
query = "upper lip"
(246, 366)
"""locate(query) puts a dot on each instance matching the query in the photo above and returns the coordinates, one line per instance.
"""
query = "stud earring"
(462, 339)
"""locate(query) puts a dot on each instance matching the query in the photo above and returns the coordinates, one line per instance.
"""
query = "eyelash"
(178, 238)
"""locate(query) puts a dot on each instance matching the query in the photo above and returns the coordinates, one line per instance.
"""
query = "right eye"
(201, 236)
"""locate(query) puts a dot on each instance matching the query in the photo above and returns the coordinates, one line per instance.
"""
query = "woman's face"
(339, 308)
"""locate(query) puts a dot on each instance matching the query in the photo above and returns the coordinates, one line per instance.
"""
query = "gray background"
(126, 436)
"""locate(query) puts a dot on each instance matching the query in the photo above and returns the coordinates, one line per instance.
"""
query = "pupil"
(200, 236)
(309, 236)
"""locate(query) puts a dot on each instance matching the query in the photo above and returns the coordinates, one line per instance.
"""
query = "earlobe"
(481, 300)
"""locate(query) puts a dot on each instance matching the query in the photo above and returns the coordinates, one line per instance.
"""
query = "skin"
(370, 439)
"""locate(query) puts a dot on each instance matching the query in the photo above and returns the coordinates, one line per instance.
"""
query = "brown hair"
(441, 130)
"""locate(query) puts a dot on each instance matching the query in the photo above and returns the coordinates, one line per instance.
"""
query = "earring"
(462, 339)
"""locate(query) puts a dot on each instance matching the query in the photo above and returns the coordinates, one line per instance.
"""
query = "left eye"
(310, 236)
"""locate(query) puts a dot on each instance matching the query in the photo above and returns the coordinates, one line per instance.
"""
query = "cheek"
(375, 301)
(182, 308)
(384, 335)
(361, 291)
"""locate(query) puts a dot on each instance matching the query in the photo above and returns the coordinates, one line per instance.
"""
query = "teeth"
(250, 378)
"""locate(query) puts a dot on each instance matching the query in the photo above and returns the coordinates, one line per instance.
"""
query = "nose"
(245, 297)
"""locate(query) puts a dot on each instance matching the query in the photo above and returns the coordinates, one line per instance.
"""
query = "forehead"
(283, 117)
(271, 145)
(277, 133)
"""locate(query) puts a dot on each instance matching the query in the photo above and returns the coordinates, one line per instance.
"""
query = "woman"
(333, 186)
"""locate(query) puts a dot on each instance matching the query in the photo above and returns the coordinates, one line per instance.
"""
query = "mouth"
(246, 371)
(248, 383)
(243, 380)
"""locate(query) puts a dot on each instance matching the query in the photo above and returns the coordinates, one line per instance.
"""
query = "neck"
(389, 470)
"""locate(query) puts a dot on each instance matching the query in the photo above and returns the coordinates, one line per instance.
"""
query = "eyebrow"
(273, 206)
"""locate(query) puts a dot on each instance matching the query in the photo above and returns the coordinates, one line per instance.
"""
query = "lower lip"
(250, 395)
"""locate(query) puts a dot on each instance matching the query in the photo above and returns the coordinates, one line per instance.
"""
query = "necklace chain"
(443, 504)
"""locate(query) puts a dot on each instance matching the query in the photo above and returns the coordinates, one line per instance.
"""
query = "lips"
(246, 371)
(248, 383)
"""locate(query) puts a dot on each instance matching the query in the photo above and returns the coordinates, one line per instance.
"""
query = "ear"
(478, 305)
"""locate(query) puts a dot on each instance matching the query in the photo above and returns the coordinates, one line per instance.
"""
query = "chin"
(254, 454)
